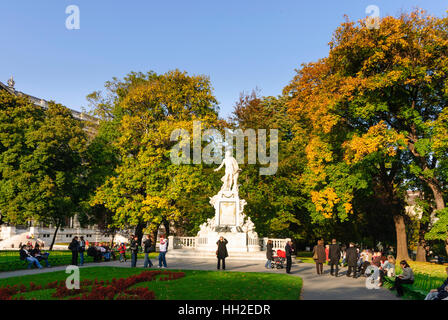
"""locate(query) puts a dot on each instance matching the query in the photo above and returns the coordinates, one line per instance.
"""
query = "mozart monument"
(229, 220)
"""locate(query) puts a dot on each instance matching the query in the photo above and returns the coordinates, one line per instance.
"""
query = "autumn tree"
(146, 188)
(378, 94)
(276, 204)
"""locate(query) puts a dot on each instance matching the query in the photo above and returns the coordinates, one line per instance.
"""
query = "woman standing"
(221, 253)
(319, 256)
(269, 248)
(74, 248)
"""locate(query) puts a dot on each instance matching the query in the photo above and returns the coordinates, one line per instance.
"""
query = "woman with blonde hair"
(389, 266)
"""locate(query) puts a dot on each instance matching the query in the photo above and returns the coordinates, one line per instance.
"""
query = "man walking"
(147, 245)
(334, 254)
(288, 251)
(134, 250)
(351, 255)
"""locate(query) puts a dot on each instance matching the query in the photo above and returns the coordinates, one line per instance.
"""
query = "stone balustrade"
(192, 242)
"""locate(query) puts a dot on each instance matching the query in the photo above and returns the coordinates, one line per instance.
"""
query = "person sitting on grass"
(407, 277)
(25, 255)
(39, 255)
(440, 293)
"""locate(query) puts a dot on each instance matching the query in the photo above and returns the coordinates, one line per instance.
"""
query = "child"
(122, 251)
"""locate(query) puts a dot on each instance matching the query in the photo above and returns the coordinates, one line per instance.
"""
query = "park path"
(324, 287)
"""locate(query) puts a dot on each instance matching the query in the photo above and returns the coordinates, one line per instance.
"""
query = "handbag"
(315, 256)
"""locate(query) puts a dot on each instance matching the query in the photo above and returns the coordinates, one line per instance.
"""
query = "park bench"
(13, 262)
(415, 289)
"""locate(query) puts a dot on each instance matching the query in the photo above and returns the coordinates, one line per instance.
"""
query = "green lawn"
(196, 285)
(10, 260)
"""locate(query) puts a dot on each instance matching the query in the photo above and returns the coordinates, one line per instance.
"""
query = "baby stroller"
(279, 260)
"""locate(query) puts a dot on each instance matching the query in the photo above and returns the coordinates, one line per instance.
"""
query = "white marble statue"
(232, 170)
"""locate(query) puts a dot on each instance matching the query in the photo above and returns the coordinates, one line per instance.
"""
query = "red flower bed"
(117, 289)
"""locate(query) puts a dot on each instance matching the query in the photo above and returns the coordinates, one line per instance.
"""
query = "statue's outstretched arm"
(222, 163)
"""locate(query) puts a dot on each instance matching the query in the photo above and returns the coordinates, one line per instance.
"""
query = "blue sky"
(240, 45)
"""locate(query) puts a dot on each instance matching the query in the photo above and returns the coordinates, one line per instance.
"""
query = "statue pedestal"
(229, 222)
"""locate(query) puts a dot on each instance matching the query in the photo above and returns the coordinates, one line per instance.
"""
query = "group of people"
(33, 255)
(148, 247)
(358, 262)
(103, 251)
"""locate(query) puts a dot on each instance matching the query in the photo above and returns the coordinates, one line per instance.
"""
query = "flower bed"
(116, 289)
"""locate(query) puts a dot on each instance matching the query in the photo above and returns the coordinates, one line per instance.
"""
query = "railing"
(252, 241)
(276, 243)
(185, 242)
(193, 242)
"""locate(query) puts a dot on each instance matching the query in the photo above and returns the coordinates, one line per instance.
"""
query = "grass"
(10, 260)
(305, 259)
(196, 285)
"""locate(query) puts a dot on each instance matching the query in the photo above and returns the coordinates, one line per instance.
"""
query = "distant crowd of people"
(377, 262)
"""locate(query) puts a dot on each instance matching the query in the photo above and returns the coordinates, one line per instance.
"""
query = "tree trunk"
(154, 238)
(54, 236)
(112, 240)
(421, 251)
(402, 245)
(139, 231)
(440, 204)
(166, 224)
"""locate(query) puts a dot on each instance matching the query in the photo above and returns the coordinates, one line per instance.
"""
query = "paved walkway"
(315, 287)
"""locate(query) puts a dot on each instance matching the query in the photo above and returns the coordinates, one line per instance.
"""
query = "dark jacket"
(288, 250)
(443, 294)
(222, 249)
(74, 246)
(148, 244)
(351, 256)
(134, 246)
(269, 248)
(334, 253)
(24, 254)
(321, 255)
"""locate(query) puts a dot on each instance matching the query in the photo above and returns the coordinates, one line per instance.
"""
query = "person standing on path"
(163, 248)
(288, 252)
(269, 248)
(82, 248)
(319, 256)
(221, 252)
(334, 254)
(134, 250)
(147, 249)
(351, 255)
(74, 248)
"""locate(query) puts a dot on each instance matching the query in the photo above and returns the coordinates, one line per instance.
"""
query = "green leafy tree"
(42, 162)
